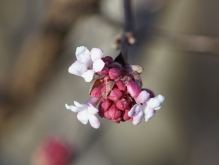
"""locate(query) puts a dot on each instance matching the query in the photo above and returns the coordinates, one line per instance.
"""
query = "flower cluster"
(116, 91)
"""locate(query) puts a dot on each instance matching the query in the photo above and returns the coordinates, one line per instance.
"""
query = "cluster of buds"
(116, 91)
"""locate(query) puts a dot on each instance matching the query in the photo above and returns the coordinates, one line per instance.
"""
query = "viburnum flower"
(53, 151)
(145, 107)
(87, 63)
(116, 92)
(86, 111)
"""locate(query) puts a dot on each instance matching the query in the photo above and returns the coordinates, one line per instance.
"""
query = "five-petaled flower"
(87, 63)
(86, 112)
(145, 107)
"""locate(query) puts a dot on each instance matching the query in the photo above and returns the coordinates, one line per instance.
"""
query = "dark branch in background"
(124, 40)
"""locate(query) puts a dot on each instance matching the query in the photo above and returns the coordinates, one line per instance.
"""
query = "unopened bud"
(96, 92)
(121, 85)
(114, 73)
(106, 104)
(115, 94)
(122, 104)
(133, 89)
(107, 59)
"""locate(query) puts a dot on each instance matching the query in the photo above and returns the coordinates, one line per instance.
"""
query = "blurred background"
(178, 46)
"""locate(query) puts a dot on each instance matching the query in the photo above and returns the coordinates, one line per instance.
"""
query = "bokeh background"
(177, 45)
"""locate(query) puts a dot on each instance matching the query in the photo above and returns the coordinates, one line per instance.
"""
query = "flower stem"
(127, 29)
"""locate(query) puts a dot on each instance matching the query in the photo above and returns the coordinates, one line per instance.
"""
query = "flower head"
(86, 112)
(145, 107)
(87, 63)
(117, 87)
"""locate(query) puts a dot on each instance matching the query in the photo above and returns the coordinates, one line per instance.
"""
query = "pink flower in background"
(87, 63)
(53, 151)
(86, 112)
(145, 107)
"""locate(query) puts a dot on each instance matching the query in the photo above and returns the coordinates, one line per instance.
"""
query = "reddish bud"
(126, 116)
(133, 89)
(122, 104)
(104, 71)
(112, 113)
(106, 104)
(114, 73)
(107, 59)
(96, 92)
(115, 94)
(121, 85)
(106, 78)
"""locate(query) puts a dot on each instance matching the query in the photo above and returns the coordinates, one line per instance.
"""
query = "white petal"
(77, 104)
(83, 116)
(92, 109)
(73, 108)
(142, 97)
(77, 68)
(88, 75)
(156, 102)
(149, 113)
(135, 110)
(96, 53)
(137, 119)
(98, 65)
(94, 122)
(83, 54)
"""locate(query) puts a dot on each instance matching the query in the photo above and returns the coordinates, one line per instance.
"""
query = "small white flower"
(146, 107)
(86, 112)
(87, 63)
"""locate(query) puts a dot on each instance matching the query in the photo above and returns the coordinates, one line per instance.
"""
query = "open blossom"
(86, 112)
(145, 107)
(87, 63)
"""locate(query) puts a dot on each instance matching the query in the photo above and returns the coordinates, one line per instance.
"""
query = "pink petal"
(83, 116)
(77, 68)
(135, 110)
(98, 65)
(149, 113)
(92, 109)
(137, 119)
(94, 122)
(142, 97)
(96, 54)
(88, 75)
(83, 55)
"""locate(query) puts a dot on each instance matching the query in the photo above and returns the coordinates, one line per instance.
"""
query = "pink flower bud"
(106, 104)
(113, 113)
(107, 59)
(115, 94)
(133, 89)
(122, 104)
(114, 73)
(117, 120)
(96, 92)
(125, 115)
(104, 71)
(121, 85)
(106, 78)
